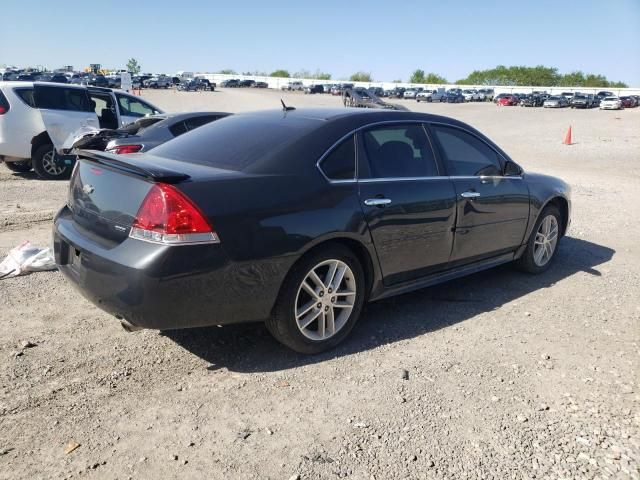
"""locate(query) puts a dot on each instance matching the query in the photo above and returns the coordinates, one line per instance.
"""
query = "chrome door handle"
(377, 202)
(470, 194)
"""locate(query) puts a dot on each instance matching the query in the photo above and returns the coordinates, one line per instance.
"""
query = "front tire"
(543, 242)
(45, 166)
(320, 301)
(23, 166)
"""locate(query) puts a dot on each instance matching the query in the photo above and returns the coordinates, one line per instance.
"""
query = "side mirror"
(512, 169)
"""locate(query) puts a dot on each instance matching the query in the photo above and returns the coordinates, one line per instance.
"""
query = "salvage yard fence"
(278, 83)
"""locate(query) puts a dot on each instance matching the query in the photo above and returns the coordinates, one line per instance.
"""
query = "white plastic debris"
(26, 259)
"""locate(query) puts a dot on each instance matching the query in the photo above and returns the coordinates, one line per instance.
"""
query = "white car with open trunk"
(39, 121)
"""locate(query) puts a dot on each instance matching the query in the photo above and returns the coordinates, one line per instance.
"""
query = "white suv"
(39, 121)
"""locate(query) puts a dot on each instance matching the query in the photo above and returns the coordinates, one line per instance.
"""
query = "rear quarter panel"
(18, 127)
(266, 223)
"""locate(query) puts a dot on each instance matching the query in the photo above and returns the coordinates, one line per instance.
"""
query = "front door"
(492, 209)
(409, 206)
(132, 108)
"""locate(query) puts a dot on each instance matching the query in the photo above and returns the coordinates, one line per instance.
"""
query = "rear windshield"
(134, 127)
(234, 143)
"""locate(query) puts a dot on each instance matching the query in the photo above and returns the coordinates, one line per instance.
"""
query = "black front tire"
(282, 323)
(23, 166)
(526, 262)
(39, 162)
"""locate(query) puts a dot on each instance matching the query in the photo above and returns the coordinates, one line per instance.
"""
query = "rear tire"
(43, 162)
(531, 261)
(23, 166)
(296, 306)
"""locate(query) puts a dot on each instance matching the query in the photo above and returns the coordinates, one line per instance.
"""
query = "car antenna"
(285, 108)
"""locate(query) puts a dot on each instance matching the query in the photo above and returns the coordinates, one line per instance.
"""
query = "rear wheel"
(45, 165)
(21, 167)
(320, 301)
(542, 243)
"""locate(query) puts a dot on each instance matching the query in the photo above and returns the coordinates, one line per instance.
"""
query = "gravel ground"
(499, 375)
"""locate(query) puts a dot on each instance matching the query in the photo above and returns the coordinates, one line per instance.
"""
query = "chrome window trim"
(422, 122)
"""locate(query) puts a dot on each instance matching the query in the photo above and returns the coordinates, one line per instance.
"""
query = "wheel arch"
(360, 250)
(562, 204)
(39, 140)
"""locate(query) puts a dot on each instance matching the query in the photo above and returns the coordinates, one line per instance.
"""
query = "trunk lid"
(107, 190)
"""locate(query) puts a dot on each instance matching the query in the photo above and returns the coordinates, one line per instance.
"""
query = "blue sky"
(389, 39)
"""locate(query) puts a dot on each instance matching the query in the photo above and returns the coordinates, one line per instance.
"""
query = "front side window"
(466, 155)
(399, 151)
(340, 164)
(132, 107)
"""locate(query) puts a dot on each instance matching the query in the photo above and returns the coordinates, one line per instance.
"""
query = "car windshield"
(554, 98)
(610, 98)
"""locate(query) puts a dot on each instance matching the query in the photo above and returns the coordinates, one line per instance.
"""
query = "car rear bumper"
(166, 287)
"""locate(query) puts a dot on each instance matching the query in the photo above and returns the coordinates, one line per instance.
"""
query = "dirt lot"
(497, 376)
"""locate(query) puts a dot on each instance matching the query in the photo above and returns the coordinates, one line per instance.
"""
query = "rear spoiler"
(133, 166)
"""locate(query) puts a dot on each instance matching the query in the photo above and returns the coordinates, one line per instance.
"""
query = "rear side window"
(4, 105)
(340, 164)
(56, 98)
(26, 95)
(399, 151)
(196, 122)
(465, 154)
(178, 128)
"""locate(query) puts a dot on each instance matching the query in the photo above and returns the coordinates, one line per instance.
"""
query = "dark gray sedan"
(299, 217)
(147, 132)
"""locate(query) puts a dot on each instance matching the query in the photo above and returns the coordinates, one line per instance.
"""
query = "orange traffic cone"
(567, 138)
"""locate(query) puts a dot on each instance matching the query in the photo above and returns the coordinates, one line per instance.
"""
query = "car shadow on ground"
(250, 348)
(31, 175)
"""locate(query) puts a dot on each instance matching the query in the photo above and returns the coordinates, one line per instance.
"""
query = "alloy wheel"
(325, 299)
(49, 164)
(546, 240)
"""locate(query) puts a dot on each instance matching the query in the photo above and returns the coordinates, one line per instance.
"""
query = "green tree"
(361, 77)
(618, 85)
(417, 76)
(434, 78)
(133, 66)
(538, 76)
(227, 71)
(280, 73)
(322, 75)
(399, 80)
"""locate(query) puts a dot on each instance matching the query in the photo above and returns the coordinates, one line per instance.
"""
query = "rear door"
(492, 209)
(65, 111)
(408, 204)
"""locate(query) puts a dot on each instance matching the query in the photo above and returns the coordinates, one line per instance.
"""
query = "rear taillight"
(4, 105)
(167, 216)
(124, 149)
(3, 110)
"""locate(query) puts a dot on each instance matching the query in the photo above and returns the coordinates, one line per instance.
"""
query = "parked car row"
(235, 83)
(603, 100)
